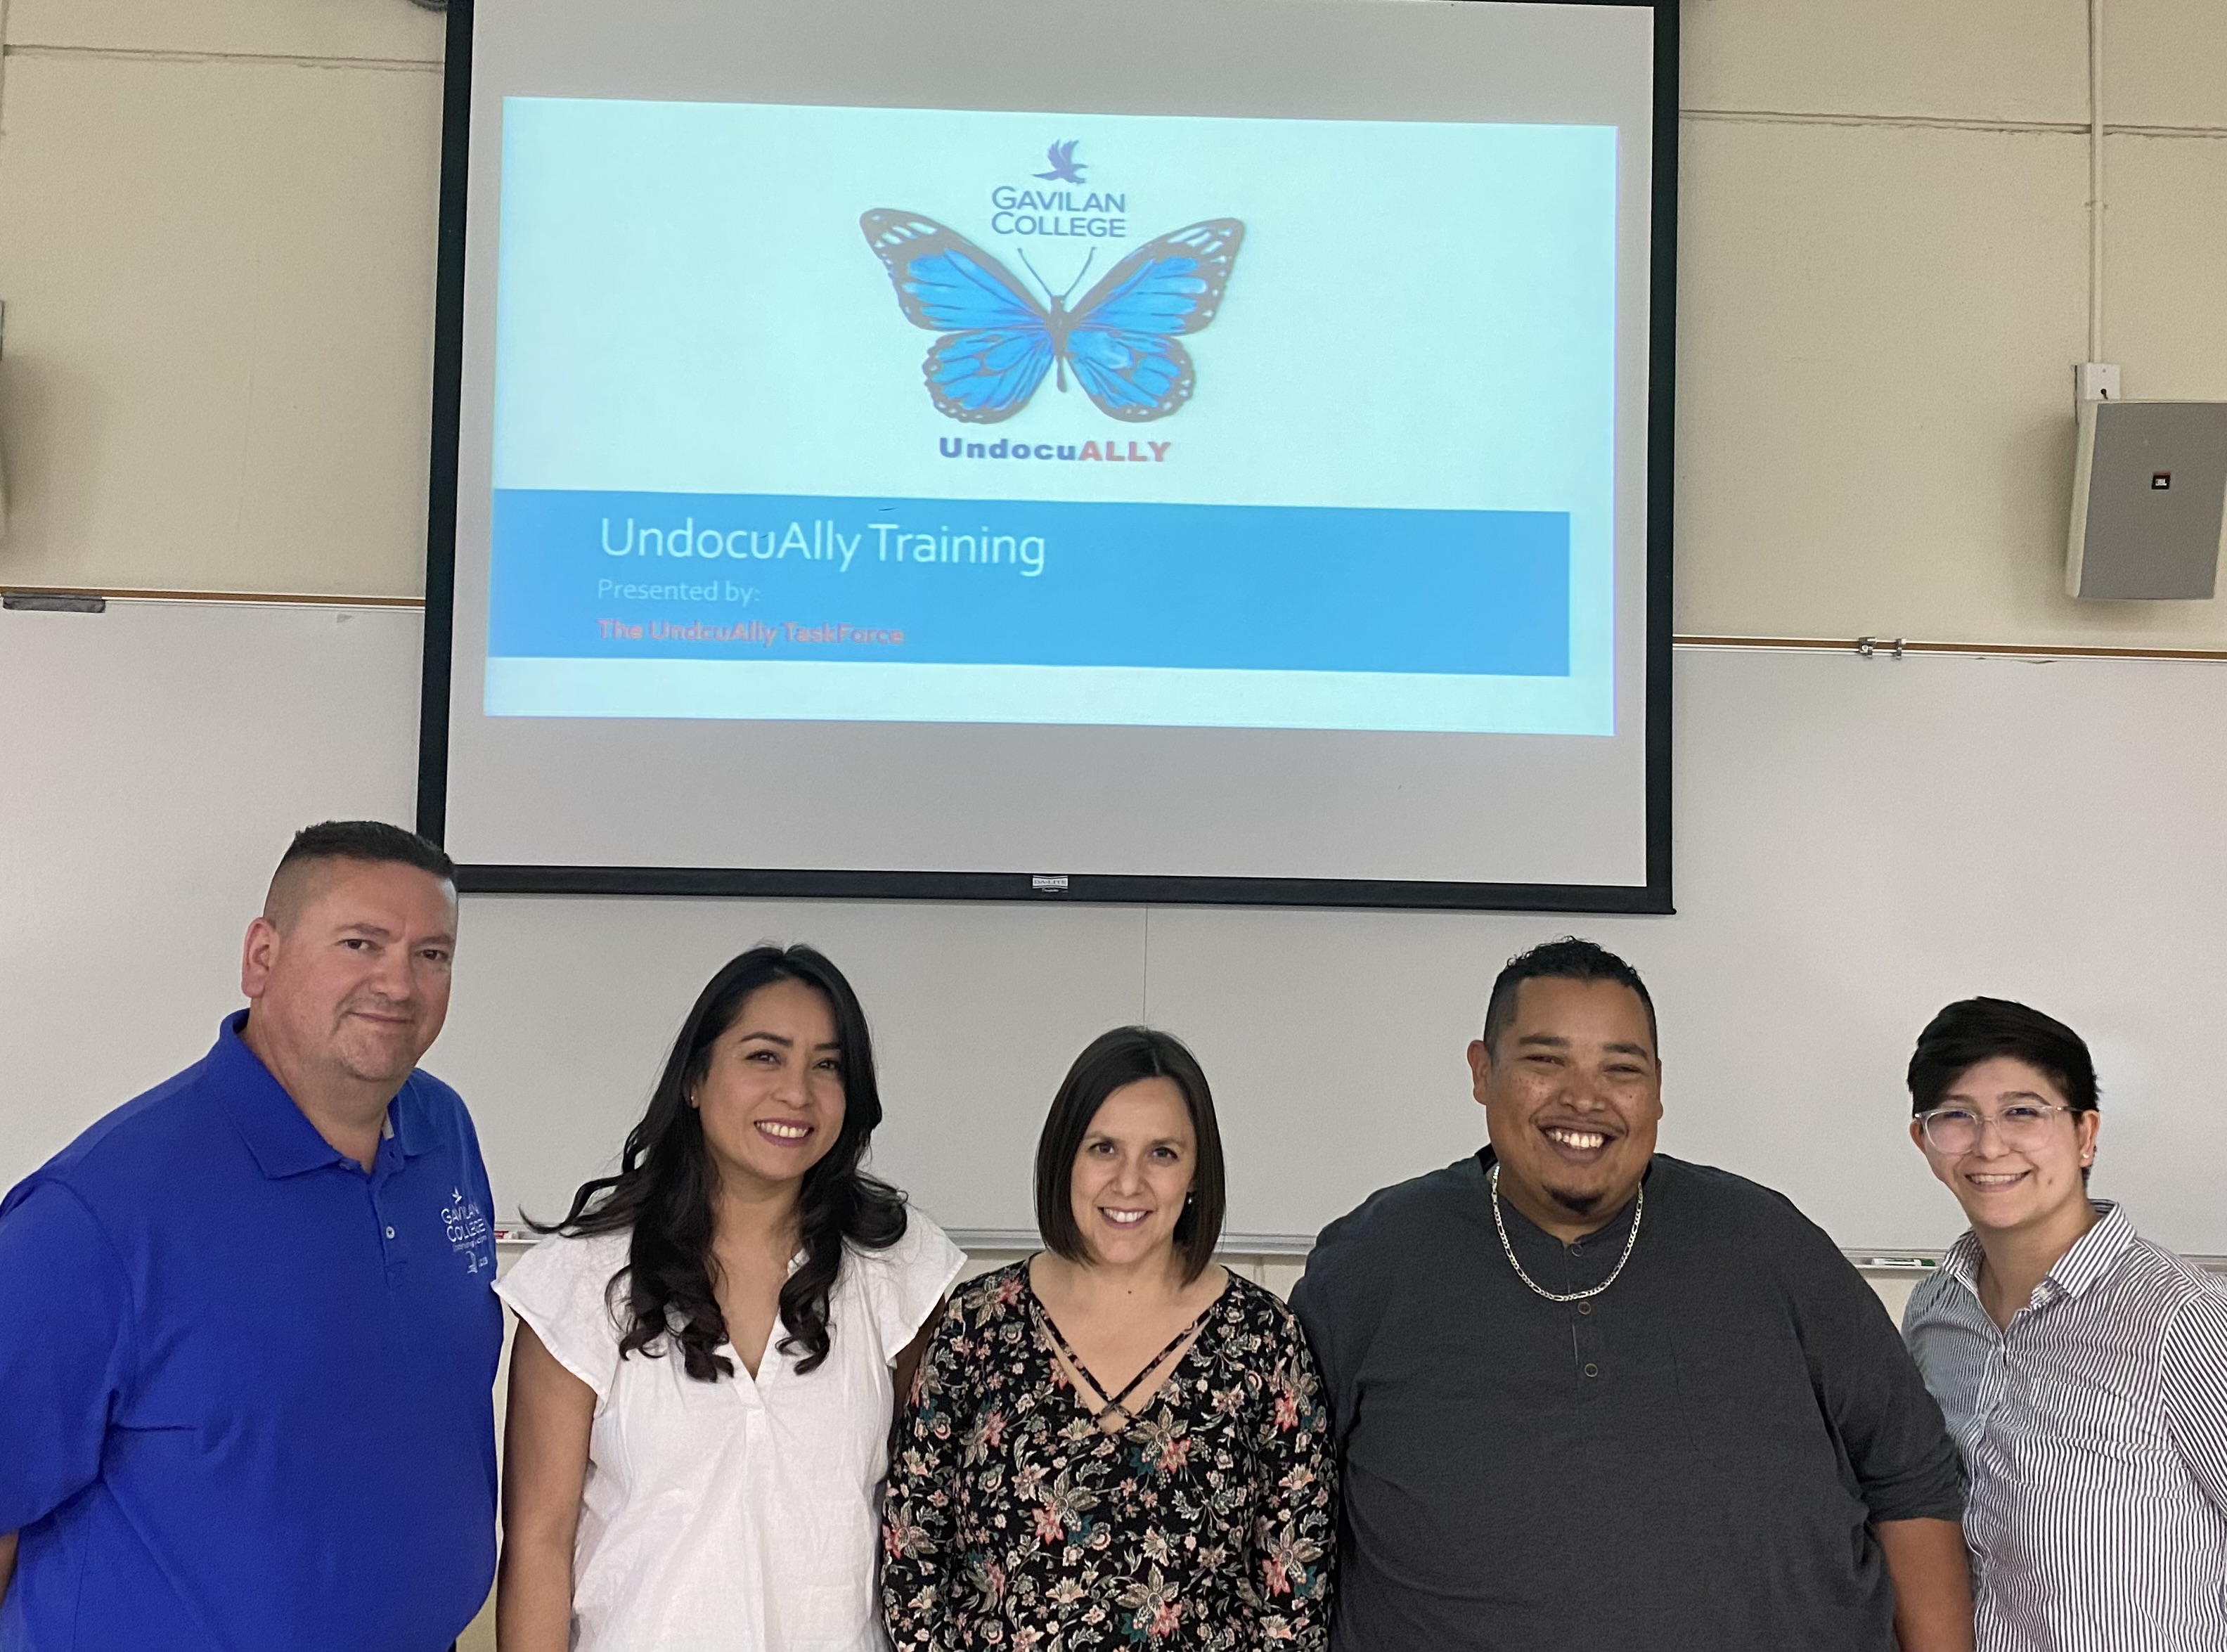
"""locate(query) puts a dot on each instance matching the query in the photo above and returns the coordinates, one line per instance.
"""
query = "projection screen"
(1166, 449)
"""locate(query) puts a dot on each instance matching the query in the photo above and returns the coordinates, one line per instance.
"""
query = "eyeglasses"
(2022, 1125)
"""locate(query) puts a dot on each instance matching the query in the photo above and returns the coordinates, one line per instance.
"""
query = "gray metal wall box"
(2149, 495)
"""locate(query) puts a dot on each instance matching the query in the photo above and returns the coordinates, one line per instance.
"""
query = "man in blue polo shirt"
(247, 1338)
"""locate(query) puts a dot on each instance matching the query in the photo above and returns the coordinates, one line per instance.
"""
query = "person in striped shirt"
(2083, 1370)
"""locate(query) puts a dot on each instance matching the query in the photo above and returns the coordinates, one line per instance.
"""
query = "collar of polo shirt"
(278, 1133)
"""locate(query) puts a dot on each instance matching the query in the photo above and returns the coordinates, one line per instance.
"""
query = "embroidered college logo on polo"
(469, 1234)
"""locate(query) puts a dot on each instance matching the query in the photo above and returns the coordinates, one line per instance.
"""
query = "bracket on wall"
(1867, 647)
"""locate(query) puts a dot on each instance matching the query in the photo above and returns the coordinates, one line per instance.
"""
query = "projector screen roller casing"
(1394, 624)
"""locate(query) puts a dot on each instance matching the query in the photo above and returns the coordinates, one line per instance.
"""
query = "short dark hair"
(1112, 1061)
(1566, 960)
(1972, 1030)
(374, 841)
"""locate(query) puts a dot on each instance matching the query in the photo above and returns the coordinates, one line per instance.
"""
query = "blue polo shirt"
(246, 1388)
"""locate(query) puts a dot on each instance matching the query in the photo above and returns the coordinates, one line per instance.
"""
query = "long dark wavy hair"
(663, 1192)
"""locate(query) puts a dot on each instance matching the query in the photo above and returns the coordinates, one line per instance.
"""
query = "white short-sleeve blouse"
(743, 1514)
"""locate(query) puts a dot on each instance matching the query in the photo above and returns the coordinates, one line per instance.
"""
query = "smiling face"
(347, 974)
(2034, 1186)
(771, 1097)
(1572, 1093)
(1132, 1173)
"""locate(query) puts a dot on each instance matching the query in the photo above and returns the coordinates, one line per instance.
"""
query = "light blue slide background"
(1422, 316)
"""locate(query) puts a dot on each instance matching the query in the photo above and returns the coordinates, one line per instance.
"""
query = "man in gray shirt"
(1587, 1396)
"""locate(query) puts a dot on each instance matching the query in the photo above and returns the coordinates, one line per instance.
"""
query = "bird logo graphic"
(1065, 168)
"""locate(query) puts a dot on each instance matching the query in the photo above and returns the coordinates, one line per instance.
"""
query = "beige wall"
(1883, 283)
(216, 249)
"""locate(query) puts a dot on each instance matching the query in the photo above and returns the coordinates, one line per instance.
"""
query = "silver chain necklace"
(1639, 1212)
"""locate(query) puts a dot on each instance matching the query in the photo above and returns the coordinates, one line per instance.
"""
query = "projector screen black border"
(1075, 888)
(1652, 897)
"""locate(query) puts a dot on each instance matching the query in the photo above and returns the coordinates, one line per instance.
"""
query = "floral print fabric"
(1014, 1522)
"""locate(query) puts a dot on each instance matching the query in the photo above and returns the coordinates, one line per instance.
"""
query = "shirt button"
(1578, 1249)
(390, 1233)
(1585, 1307)
(1593, 1370)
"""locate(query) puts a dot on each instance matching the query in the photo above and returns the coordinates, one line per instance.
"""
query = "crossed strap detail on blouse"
(1204, 1522)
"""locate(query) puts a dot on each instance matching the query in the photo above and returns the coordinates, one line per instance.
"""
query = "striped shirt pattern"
(2094, 1434)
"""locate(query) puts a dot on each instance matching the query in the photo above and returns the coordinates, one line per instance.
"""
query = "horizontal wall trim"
(1287, 1247)
(1944, 123)
(281, 598)
(261, 60)
(1826, 645)
(1891, 646)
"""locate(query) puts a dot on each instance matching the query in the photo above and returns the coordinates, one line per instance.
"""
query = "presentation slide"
(953, 415)
(1185, 450)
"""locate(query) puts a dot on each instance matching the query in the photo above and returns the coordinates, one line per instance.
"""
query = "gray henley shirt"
(1693, 1459)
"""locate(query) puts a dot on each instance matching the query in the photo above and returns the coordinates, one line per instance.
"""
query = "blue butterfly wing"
(982, 377)
(997, 345)
(1170, 285)
(1134, 376)
(1121, 340)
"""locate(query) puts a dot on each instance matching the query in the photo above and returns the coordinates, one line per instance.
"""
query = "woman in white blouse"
(711, 1344)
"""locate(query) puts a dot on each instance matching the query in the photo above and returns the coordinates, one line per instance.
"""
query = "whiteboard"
(1859, 841)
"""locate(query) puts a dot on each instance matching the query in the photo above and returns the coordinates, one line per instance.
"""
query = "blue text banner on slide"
(919, 414)
(925, 582)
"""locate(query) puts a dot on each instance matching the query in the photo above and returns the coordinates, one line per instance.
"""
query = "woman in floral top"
(1059, 1486)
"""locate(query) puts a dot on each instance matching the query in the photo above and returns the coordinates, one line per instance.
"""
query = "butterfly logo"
(1065, 168)
(999, 342)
